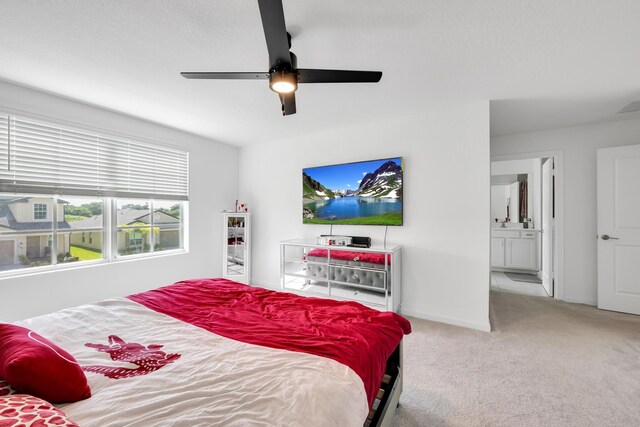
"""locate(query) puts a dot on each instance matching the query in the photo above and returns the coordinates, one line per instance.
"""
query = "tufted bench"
(369, 278)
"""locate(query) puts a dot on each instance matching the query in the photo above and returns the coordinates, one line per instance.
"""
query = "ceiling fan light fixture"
(284, 74)
(283, 81)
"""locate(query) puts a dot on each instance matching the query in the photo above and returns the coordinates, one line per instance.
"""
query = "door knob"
(607, 237)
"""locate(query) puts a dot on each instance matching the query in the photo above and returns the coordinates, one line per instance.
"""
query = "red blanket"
(370, 257)
(350, 333)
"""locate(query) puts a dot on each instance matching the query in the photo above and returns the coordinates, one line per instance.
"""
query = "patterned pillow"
(5, 388)
(22, 410)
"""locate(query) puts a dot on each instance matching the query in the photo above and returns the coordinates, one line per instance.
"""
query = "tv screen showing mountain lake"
(366, 193)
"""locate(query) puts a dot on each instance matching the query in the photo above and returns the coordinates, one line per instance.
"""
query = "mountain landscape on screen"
(365, 193)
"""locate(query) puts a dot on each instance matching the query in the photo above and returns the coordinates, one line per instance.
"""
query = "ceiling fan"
(284, 74)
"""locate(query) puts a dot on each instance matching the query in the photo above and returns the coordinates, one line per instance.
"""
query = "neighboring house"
(25, 229)
(87, 233)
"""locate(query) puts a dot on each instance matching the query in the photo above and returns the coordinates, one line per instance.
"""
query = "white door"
(547, 226)
(619, 229)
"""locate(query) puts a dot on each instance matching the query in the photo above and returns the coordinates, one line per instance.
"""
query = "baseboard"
(514, 270)
(484, 327)
(579, 301)
(273, 287)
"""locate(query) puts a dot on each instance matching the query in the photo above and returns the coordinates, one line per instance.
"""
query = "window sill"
(135, 257)
(33, 271)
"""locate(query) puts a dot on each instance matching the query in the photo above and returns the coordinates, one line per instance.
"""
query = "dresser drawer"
(505, 233)
(528, 234)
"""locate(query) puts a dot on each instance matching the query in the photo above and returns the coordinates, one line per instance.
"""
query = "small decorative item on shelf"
(241, 207)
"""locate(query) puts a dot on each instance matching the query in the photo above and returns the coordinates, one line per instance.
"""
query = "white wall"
(445, 235)
(213, 187)
(578, 145)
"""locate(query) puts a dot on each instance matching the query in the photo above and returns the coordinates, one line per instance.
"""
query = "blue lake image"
(353, 207)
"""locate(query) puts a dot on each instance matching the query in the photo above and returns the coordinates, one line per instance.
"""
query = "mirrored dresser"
(236, 252)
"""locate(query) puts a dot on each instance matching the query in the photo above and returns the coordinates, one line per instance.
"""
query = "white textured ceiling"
(126, 56)
(514, 116)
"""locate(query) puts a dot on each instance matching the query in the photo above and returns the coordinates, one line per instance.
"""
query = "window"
(39, 211)
(26, 243)
(80, 234)
(69, 196)
(148, 226)
(168, 217)
(83, 216)
(136, 238)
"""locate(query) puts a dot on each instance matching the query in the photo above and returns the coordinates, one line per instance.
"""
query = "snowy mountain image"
(386, 181)
(354, 193)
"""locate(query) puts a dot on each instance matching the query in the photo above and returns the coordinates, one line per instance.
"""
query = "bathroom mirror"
(510, 197)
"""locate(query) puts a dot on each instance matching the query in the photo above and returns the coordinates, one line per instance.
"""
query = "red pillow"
(34, 365)
(22, 410)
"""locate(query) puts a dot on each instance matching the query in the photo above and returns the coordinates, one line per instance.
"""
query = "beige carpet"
(546, 363)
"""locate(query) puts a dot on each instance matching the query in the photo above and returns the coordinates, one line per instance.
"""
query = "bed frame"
(388, 397)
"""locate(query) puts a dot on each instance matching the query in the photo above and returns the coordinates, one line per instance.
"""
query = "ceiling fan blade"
(288, 101)
(225, 75)
(275, 32)
(337, 76)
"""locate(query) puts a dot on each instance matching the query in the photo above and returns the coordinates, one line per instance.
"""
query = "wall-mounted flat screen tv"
(361, 193)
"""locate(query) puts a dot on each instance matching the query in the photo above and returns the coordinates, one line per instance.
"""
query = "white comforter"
(215, 382)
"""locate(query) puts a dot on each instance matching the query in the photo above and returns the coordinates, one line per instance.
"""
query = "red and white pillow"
(34, 365)
(5, 388)
(22, 410)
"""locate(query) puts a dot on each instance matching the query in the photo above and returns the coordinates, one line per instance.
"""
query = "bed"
(216, 352)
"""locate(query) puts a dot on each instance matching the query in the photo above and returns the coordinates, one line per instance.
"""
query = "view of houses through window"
(85, 218)
(34, 234)
(140, 231)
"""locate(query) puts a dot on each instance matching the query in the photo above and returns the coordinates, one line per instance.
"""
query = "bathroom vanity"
(515, 248)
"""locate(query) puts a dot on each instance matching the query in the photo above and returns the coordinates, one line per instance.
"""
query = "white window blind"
(46, 158)
(4, 142)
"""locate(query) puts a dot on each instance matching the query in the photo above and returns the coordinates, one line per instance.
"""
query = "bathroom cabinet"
(517, 249)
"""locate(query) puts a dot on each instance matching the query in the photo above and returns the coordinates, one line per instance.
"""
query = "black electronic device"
(360, 242)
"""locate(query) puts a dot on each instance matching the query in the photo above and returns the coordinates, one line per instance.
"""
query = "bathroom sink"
(508, 226)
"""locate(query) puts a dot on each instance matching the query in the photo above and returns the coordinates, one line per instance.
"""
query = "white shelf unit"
(236, 246)
(342, 276)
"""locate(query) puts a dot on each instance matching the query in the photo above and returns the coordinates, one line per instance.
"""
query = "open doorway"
(524, 250)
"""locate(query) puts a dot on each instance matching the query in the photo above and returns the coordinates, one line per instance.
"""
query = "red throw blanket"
(370, 257)
(350, 333)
